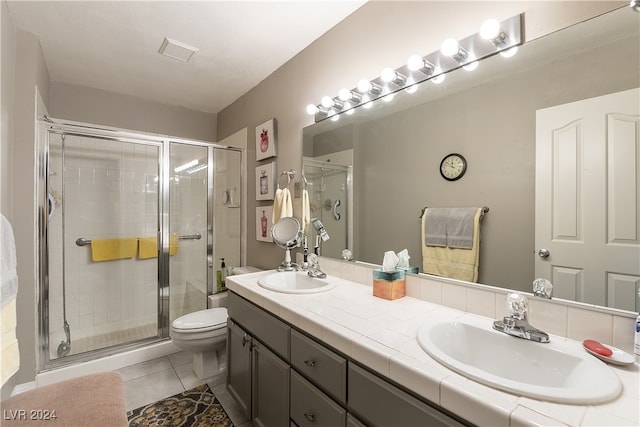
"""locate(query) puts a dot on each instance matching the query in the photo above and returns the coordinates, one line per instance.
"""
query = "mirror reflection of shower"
(329, 186)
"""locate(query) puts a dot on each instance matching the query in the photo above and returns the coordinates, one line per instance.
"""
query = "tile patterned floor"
(156, 379)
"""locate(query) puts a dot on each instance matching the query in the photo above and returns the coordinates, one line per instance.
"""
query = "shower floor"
(82, 345)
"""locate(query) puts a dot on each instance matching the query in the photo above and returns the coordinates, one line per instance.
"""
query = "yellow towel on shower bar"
(148, 247)
(455, 263)
(110, 249)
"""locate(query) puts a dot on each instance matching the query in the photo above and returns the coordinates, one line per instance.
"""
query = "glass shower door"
(189, 187)
(103, 290)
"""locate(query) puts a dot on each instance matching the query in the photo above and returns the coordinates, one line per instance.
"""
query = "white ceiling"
(114, 45)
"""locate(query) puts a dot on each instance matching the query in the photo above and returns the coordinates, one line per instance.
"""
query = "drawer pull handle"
(245, 340)
(310, 416)
(310, 363)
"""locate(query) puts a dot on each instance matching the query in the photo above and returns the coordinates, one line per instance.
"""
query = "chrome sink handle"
(314, 268)
(516, 324)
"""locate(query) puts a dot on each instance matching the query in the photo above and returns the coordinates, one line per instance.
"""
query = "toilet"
(204, 333)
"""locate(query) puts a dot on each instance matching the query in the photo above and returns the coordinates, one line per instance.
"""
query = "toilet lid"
(202, 319)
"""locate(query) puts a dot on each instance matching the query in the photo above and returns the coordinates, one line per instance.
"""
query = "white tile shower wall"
(109, 193)
(565, 319)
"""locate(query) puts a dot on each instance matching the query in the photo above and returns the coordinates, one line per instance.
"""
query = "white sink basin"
(294, 283)
(554, 372)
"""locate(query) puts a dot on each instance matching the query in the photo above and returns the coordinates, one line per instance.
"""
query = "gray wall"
(85, 104)
(30, 74)
(378, 35)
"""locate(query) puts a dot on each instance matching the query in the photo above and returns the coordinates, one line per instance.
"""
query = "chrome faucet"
(516, 323)
(314, 268)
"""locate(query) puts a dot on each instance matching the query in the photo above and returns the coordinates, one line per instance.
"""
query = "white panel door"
(588, 199)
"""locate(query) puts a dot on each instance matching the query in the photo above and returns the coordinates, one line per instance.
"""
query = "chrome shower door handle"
(544, 253)
(336, 215)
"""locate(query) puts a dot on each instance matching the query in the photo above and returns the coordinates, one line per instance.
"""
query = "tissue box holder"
(389, 285)
(412, 270)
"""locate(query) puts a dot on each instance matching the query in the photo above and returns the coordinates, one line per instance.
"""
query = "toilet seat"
(201, 321)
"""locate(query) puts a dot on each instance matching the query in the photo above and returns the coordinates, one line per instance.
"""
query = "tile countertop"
(381, 335)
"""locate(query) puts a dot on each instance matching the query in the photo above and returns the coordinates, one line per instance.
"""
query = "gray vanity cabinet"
(258, 372)
(378, 403)
(239, 366)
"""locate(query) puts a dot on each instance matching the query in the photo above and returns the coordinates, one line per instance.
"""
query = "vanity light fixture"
(349, 95)
(490, 30)
(635, 5)
(451, 48)
(367, 86)
(418, 63)
(494, 37)
(391, 76)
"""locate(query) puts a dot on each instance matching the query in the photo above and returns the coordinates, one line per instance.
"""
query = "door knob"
(544, 253)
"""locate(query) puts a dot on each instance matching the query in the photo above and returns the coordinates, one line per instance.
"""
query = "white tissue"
(389, 261)
(403, 258)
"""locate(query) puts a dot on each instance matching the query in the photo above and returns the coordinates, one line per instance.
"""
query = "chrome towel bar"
(84, 242)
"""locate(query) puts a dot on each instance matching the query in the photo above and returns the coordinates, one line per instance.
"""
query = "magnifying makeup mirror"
(287, 234)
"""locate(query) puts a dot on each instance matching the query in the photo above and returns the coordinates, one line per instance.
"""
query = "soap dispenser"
(221, 276)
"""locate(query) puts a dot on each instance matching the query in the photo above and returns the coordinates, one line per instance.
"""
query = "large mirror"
(392, 153)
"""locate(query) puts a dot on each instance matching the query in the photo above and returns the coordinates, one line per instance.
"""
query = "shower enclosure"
(329, 186)
(132, 229)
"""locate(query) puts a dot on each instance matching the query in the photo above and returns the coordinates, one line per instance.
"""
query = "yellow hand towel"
(148, 246)
(455, 263)
(111, 249)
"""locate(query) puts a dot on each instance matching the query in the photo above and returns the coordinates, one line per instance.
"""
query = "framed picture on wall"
(263, 223)
(265, 181)
(266, 140)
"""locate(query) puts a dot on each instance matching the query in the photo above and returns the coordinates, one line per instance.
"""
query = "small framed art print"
(265, 181)
(266, 140)
(263, 223)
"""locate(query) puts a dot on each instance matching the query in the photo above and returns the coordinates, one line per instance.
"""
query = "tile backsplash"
(563, 318)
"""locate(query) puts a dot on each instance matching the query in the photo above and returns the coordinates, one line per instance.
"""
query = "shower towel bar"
(84, 242)
(485, 209)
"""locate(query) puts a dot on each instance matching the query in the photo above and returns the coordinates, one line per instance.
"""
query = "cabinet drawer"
(378, 403)
(265, 327)
(320, 365)
(310, 407)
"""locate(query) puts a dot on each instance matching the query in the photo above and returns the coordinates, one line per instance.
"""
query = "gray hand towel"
(460, 227)
(435, 227)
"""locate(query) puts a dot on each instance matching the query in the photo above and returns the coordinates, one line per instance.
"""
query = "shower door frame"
(47, 126)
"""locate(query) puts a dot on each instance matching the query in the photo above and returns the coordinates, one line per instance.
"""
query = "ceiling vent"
(176, 50)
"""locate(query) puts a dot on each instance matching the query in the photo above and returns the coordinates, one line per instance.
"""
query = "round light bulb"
(490, 29)
(415, 63)
(471, 66)
(364, 86)
(388, 75)
(312, 110)
(509, 52)
(449, 47)
(327, 102)
(345, 94)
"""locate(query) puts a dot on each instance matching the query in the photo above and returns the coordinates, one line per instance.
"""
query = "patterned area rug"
(197, 407)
